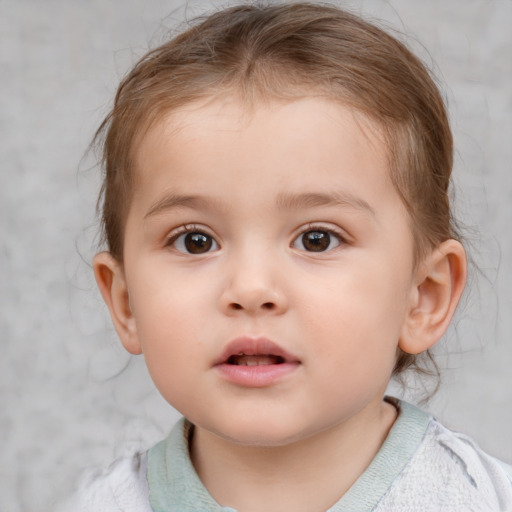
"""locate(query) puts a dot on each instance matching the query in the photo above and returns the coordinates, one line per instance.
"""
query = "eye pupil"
(198, 243)
(316, 241)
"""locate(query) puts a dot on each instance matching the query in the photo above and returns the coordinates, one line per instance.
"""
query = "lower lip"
(256, 376)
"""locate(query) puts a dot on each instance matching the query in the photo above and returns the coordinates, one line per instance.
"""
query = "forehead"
(219, 133)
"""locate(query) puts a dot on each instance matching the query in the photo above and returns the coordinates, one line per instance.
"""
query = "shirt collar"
(175, 487)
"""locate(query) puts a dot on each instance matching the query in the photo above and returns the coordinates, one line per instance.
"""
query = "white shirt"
(421, 467)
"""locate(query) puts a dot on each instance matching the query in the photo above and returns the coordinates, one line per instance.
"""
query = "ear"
(111, 280)
(439, 284)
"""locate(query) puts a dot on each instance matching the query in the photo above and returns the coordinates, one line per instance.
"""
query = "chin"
(259, 433)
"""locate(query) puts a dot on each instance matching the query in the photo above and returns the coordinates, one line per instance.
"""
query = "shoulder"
(453, 450)
(122, 487)
(449, 472)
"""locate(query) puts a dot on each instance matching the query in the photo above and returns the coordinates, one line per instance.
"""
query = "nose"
(253, 286)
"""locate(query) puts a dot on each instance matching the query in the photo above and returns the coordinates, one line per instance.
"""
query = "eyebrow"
(288, 201)
(285, 201)
(173, 201)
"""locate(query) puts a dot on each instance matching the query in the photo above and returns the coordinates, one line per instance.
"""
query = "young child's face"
(269, 267)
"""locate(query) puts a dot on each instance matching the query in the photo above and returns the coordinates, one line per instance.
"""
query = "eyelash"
(188, 229)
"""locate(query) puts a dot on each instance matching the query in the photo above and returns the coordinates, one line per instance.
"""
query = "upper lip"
(250, 346)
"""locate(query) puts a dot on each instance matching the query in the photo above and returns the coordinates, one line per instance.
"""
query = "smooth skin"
(222, 240)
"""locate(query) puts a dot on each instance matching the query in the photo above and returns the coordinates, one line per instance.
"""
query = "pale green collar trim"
(173, 482)
(403, 440)
(175, 487)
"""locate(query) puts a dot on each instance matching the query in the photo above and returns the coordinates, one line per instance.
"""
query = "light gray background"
(70, 396)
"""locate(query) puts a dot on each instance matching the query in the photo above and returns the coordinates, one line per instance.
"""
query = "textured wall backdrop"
(70, 396)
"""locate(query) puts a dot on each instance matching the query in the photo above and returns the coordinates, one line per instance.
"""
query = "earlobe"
(111, 281)
(439, 285)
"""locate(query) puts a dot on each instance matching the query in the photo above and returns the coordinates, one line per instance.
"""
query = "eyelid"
(323, 226)
(180, 230)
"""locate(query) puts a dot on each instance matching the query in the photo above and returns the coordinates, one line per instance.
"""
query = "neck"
(309, 475)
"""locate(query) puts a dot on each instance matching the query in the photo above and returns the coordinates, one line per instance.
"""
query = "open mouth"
(254, 360)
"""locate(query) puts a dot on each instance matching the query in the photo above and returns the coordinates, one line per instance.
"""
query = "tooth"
(256, 360)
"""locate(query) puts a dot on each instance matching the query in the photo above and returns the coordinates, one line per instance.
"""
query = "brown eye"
(194, 242)
(198, 243)
(317, 240)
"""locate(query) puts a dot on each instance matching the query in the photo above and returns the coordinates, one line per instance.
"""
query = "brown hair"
(287, 51)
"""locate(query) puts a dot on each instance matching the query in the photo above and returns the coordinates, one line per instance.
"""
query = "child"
(280, 243)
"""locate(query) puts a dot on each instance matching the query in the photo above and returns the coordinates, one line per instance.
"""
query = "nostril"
(266, 306)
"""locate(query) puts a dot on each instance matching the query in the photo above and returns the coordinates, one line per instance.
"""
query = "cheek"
(171, 318)
(172, 343)
(167, 295)
(356, 317)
